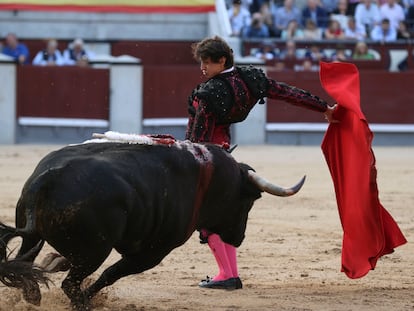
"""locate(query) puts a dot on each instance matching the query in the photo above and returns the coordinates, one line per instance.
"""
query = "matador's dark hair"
(213, 48)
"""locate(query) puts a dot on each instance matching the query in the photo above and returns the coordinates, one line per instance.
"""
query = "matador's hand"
(329, 114)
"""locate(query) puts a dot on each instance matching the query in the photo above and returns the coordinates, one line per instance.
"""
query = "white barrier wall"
(7, 101)
(126, 87)
(252, 130)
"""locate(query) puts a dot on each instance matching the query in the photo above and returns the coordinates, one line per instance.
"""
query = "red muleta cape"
(369, 230)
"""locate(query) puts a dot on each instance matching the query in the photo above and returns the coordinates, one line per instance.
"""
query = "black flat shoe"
(229, 284)
(239, 284)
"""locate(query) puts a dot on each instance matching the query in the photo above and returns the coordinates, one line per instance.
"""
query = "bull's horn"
(268, 187)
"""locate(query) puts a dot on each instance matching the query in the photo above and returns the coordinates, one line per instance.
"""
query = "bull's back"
(127, 191)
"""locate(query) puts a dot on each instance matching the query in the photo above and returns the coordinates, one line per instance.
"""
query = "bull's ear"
(248, 188)
(245, 167)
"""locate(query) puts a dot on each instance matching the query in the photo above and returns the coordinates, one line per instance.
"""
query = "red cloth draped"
(369, 231)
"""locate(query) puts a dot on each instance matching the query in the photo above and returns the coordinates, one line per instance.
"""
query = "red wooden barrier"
(73, 92)
(385, 97)
(62, 92)
(156, 52)
(166, 90)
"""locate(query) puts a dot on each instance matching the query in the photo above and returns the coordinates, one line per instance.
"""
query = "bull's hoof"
(81, 307)
(229, 284)
(31, 293)
(81, 303)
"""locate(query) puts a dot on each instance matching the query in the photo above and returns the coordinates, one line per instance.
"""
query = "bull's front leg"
(125, 266)
(71, 287)
(131, 264)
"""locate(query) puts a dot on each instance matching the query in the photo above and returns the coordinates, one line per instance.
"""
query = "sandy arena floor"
(290, 259)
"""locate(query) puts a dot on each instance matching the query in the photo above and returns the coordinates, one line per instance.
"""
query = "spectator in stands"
(266, 11)
(306, 65)
(255, 5)
(239, 16)
(315, 53)
(280, 66)
(402, 32)
(314, 11)
(76, 54)
(329, 5)
(362, 52)
(289, 52)
(406, 5)
(367, 14)
(409, 18)
(292, 31)
(16, 49)
(300, 4)
(341, 13)
(311, 30)
(340, 54)
(257, 29)
(354, 31)
(244, 3)
(267, 51)
(352, 4)
(334, 31)
(50, 56)
(283, 15)
(384, 32)
(392, 11)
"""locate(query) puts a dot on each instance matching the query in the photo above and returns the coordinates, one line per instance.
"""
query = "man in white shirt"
(384, 32)
(239, 16)
(367, 14)
(50, 56)
(354, 31)
(392, 11)
(283, 15)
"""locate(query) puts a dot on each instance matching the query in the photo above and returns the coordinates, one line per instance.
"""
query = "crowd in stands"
(288, 51)
(362, 21)
(379, 20)
(74, 54)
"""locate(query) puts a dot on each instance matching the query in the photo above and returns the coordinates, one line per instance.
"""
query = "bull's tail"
(20, 272)
(26, 216)
(6, 234)
(25, 276)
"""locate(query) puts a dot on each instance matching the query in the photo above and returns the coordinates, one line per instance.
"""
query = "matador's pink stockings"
(226, 258)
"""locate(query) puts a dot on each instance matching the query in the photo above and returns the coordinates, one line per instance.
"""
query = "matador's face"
(210, 68)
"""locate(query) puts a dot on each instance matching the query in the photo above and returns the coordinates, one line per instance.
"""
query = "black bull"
(141, 200)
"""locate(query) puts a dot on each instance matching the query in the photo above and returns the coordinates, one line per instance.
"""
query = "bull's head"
(252, 186)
